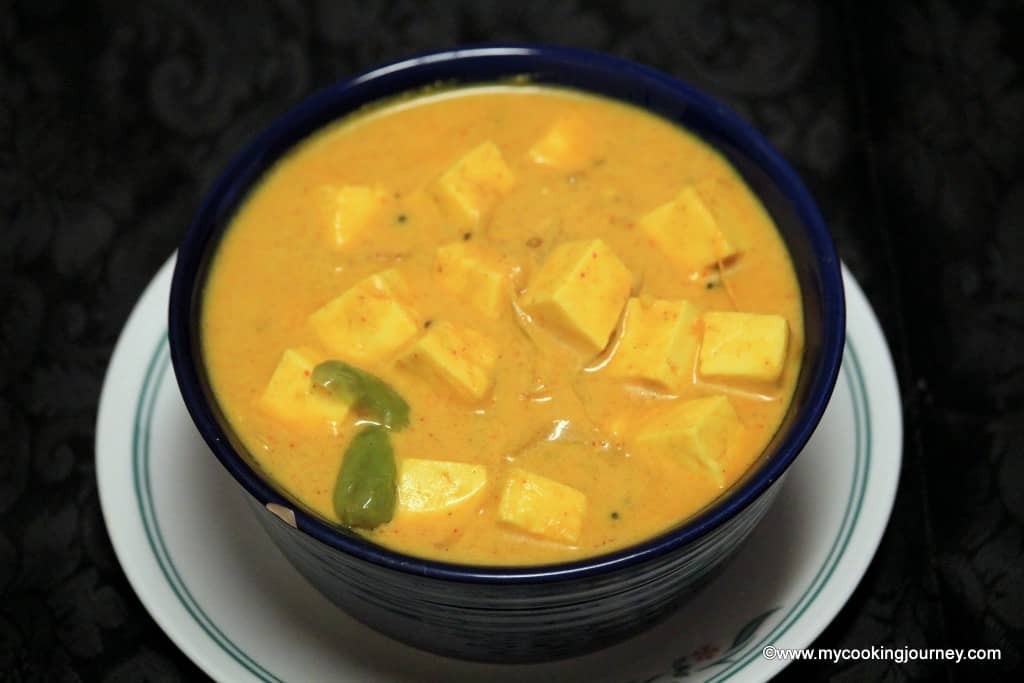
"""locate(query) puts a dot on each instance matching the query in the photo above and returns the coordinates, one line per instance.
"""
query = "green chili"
(367, 393)
(366, 491)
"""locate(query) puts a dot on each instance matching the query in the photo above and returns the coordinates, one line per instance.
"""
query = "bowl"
(531, 613)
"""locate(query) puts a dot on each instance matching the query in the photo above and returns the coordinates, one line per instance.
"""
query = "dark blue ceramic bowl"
(518, 614)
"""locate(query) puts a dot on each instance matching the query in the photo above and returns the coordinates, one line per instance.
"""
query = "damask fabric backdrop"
(906, 122)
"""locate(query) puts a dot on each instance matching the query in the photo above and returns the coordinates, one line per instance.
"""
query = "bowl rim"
(236, 180)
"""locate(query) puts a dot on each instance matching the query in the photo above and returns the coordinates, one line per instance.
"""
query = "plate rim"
(742, 659)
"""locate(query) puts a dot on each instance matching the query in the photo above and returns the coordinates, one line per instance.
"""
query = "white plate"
(220, 589)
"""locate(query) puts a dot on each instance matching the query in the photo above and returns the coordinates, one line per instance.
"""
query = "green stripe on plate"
(156, 372)
(145, 408)
(862, 460)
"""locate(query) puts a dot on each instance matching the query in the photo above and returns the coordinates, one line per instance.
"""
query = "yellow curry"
(503, 325)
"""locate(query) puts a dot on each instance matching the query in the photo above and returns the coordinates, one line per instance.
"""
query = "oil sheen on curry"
(503, 325)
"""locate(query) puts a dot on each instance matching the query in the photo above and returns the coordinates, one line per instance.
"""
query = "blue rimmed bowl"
(521, 614)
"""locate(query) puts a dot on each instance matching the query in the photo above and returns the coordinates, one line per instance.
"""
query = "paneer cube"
(732, 218)
(454, 356)
(698, 431)
(658, 343)
(290, 395)
(749, 346)
(370, 321)
(352, 211)
(568, 145)
(437, 485)
(580, 292)
(542, 506)
(475, 275)
(476, 182)
(687, 233)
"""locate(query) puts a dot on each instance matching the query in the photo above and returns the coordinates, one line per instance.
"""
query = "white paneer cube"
(454, 357)
(438, 485)
(687, 233)
(658, 343)
(290, 396)
(476, 275)
(699, 432)
(352, 211)
(542, 507)
(747, 346)
(370, 321)
(579, 292)
(568, 146)
(476, 182)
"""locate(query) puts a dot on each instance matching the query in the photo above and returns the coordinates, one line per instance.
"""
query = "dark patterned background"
(906, 122)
